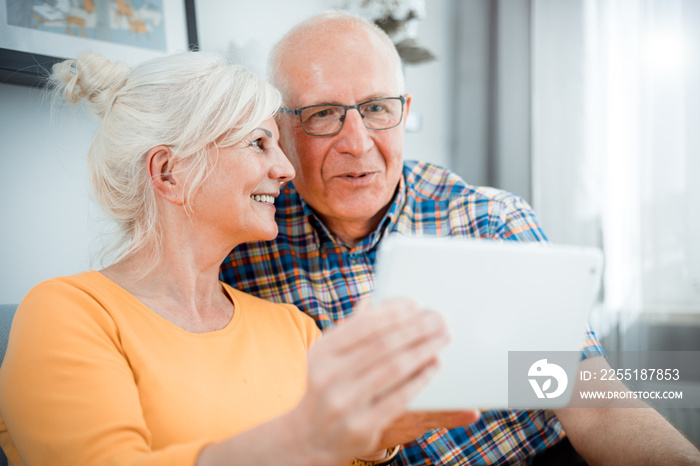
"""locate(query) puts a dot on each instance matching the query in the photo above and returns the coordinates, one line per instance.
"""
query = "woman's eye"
(257, 143)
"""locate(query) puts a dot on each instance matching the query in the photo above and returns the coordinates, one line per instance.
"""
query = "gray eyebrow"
(266, 131)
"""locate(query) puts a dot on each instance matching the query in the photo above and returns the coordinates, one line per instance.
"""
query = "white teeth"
(263, 198)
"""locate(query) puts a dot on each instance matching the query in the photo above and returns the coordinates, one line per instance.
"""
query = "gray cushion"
(7, 313)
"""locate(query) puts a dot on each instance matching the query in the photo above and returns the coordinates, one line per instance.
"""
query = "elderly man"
(343, 130)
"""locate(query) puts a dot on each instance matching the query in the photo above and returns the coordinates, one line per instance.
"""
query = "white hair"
(324, 25)
(191, 102)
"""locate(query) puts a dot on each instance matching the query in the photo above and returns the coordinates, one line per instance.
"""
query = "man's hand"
(411, 425)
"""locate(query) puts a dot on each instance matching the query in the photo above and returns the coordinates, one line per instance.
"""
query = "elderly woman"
(153, 360)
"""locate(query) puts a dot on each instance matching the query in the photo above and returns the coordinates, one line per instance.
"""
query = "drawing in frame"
(35, 34)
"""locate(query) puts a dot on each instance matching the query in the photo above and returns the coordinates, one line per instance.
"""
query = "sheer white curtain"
(616, 145)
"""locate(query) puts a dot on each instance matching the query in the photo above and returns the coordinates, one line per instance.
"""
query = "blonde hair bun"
(91, 78)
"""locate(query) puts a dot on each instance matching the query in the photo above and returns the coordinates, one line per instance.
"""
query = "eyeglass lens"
(328, 119)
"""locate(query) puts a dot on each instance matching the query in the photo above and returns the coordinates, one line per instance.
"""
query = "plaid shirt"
(308, 266)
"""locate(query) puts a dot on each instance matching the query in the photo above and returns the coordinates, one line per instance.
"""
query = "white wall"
(429, 83)
(45, 209)
(51, 227)
(247, 30)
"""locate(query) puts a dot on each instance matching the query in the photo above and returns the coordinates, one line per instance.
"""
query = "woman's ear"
(165, 181)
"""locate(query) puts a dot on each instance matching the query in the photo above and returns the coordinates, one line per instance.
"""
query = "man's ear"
(166, 183)
(407, 105)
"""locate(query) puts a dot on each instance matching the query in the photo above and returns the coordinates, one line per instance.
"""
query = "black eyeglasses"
(328, 119)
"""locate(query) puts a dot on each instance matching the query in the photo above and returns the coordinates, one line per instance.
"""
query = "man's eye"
(374, 108)
(322, 113)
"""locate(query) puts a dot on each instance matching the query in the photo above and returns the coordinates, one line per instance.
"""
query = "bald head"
(322, 39)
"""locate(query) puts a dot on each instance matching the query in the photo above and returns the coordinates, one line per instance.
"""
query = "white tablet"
(510, 306)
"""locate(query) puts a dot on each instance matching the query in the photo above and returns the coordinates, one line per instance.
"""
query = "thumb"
(367, 305)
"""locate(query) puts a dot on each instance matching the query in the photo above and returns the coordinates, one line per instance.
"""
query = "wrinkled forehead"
(339, 66)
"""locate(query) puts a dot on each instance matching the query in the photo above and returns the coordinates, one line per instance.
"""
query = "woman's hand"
(362, 374)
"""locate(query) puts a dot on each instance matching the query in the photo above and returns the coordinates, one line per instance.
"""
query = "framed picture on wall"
(35, 34)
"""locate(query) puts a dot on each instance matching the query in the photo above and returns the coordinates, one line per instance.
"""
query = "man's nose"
(354, 137)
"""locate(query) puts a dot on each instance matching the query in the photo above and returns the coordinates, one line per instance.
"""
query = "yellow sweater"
(92, 376)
